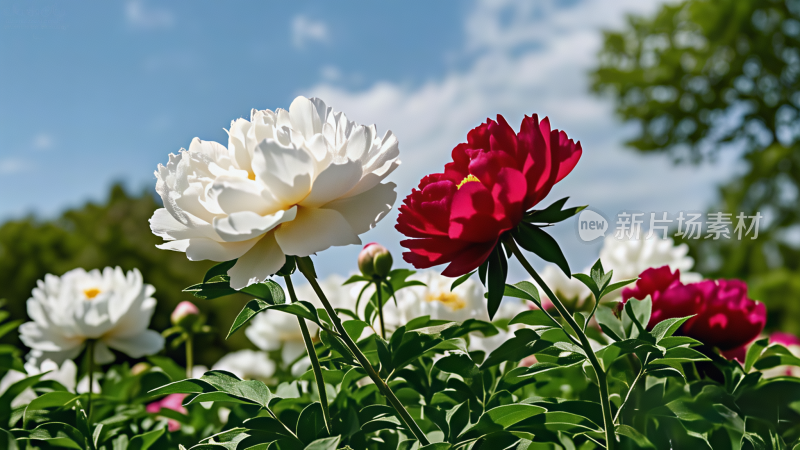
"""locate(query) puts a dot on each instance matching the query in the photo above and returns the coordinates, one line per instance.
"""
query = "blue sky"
(96, 91)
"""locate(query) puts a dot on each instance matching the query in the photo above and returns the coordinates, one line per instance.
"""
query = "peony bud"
(140, 368)
(374, 259)
(185, 315)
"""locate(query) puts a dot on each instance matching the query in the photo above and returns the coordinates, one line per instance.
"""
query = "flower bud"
(140, 368)
(374, 259)
(185, 315)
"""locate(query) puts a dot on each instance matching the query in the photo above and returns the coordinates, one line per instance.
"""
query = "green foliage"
(701, 77)
(114, 233)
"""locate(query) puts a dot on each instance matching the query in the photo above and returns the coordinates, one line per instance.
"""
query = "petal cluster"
(457, 216)
(724, 316)
(290, 182)
(112, 307)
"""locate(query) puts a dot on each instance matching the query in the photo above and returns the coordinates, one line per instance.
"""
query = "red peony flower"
(728, 318)
(173, 402)
(457, 217)
(670, 297)
(724, 316)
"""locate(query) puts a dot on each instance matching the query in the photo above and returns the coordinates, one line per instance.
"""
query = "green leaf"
(776, 355)
(437, 446)
(636, 316)
(356, 279)
(482, 269)
(220, 269)
(589, 282)
(168, 366)
(668, 327)
(211, 290)
(329, 443)
(458, 281)
(253, 390)
(269, 291)
(536, 240)
(609, 323)
(533, 317)
(59, 435)
(145, 440)
(524, 290)
(524, 343)
(498, 271)
(619, 284)
(188, 386)
(637, 437)
(679, 355)
(754, 352)
(311, 424)
(300, 308)
(458, 363)
(500, 418)
(553, 213)
(57, 399)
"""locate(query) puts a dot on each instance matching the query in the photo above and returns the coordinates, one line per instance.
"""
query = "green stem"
(312, 355)
(189, 355)
(90, 356)
(611, 438)
(304, 264)
(379, 294)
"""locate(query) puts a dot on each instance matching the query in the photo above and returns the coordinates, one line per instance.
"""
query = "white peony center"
(449, 299)
(91, 293)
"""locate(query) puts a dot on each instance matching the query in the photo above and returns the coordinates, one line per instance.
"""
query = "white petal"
(148, 342)
(237, 143)
(333, 182)
(241, 226)
(285, 170)
(263, 260)
(314, 230)
(162, 224)
(102, 355)
(234, 194)
(199, 249)
(47, 339)
(359, 142)
(304, 117)
(363, 211)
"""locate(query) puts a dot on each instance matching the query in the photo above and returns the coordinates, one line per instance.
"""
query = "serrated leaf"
(537, 241)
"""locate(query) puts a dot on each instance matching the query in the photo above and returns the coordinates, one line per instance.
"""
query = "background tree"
(116, 233)
(704, 77)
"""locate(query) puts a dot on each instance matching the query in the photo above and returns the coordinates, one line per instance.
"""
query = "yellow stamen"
(449, 299)
(467, 179)
(91, 293)
(251, 175)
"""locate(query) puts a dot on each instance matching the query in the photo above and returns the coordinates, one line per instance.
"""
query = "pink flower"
(724, 316)
(173, 402)
(457, 217)
(185, 314)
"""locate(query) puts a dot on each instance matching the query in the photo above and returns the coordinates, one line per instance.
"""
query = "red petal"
(469, 259)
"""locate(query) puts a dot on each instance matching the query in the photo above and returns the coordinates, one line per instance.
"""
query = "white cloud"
(305, 30)
(143, 16)
(10, 166)
(42, 141)
(528, 57)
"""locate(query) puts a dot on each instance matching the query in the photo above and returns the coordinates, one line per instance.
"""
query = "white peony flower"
(273, 330)
(66, 375)
(110, 307)
(290, 183)
(629, 258)
(247, 365)
(436, 300)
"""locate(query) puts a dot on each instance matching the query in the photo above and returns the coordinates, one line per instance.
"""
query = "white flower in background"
(289, 183)
(66, 375)
(247, 365)
(569, 290)
(111, 307)
(629, 258)
(436, 300)
(273, 330)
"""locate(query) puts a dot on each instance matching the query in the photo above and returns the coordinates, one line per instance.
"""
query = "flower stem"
(304, 264)
(379, 294)
(189, 355)
(611, 438)
(312, 355)
(90, 356)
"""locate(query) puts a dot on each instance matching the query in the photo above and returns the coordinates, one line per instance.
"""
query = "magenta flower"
(173, 402)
